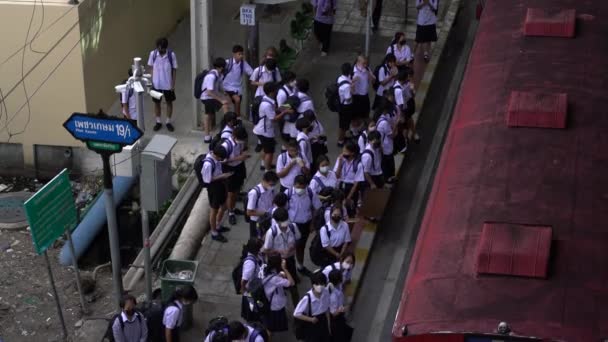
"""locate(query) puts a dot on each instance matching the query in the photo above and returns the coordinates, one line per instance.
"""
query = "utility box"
(156, 172)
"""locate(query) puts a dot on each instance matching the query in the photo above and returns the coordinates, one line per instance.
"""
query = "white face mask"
(345, 265)
(324, 169)
(284, 224)
(318, 288)
(299, 191)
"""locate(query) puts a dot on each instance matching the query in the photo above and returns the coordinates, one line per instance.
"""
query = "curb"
(362, 248)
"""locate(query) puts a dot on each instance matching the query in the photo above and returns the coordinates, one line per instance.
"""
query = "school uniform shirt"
(346, 274)
(162, 73)
(279, 240)
(426, 16)
(275, 291)
(304, 143)
(226, 132)
(173, 316)
(233, 80)
(337, 235)
(283, 93)
(383, 74)
(402, 53)
(403, 92)
(345, 90)
(318, 306)
(373, 167)
(324, 11)
(129, 98)
(265, 127)
(352, 170)
(386, 130)
(319, 181)
(336, 298)
(211, 169)
(261, 74)
(362, 141)
(264, 202)
(211, 82)
(234, 150)
(362, 82)
(282, 161)
(135, 329)
(251, 268)
(317, 131)
(300, 207)
(305, 103)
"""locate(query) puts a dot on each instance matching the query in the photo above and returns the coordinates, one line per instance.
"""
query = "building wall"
(77, 55)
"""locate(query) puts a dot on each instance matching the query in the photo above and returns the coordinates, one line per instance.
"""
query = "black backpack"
(109, 335)
(294, 102)
(258, 294)
(376, 83)
(198, 84)
(218, 140)
(254, 114)
(217, 325)
(153, 312)
(198, 168)
(237, 271)
(318, 254)
(318, 219)
(332, 95)
(263, 224)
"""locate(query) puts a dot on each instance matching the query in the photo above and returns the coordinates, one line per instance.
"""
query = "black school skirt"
(246, 312)
(426, 33)
(319, 332)
(276, 321)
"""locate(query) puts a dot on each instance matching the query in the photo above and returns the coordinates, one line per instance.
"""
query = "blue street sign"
(88, 127)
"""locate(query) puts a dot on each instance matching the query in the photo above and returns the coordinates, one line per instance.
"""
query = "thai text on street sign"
(86, 127)
(51, 211)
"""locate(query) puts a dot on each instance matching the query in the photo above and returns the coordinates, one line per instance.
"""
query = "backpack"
(318, 219)
(258, 330)
(217, 325)
(198, 83)
(294, 102)
(258, 294)
(332, 95)
(109, 335)
(246, 200)
(230, 64)
(153, 313)
(169, 54)
(376, 83)
(237, 272)
(318, 255)
(198, 168)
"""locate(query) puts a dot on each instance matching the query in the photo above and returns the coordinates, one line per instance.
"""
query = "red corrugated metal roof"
(550, 22)
(492, 173)
(534, 109)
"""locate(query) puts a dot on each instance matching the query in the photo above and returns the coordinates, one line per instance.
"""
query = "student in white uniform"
(277, 277)
(340, 330)
(335, 236)
(265, 73)
(362, 78)
(386, 77)
(236, 68)
(129, 325)
(426, 30)
(173, 316)
(371, 157)
(318, 140)
(213, 96)
(304, 128)
(345, 91)
(313, 311)
(404, 94)
(287, 89)
(306, 103)
(265, 127)
(259, 201)
(364, 136)
(401, 50)
(344, 265)
(163, 67)
(337, 200)
(238, 331)
(128, 101)
(235, 163)
(290, 164)
(349, 170)
(213, 178)
(301, 205)
(325, 177)
(251, 270)
(387, 131)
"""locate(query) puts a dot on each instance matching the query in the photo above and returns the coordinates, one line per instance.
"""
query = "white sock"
(168, 120)
(157, 120)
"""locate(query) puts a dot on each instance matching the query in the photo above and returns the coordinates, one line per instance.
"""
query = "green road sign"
(103, 146)
(51, 211)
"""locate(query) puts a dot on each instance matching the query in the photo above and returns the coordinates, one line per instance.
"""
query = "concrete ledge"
(364, 231)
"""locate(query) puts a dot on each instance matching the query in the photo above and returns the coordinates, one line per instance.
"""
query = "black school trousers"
(323, 33)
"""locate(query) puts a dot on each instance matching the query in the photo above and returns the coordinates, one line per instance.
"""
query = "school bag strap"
(169, 55)
(319, 181)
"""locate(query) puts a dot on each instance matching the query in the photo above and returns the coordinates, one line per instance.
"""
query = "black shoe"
(262, 168)
(237, 211)
(157, 126)
(207, 139)
(232, 219)
(305, 271)
(170, 127)
(219, 238)
(223, 229)
(258, 148)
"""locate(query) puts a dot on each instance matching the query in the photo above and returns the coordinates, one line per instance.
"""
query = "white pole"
(200, 21)
(368, 22)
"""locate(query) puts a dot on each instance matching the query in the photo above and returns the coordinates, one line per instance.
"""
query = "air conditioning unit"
(126, 163)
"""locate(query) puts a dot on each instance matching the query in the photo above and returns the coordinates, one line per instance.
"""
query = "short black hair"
(186, 292)
(237, 48)
(236, 330)
(126, 298)
(335, 277)
(162, 43)
(390, 57)
(240, 133)
(373, 135)
(289, 76)
(220, 152)
(280, 199)
(280, 214)
(321, 159)
(347, 69)
(310, 115)
(302, 124)
(270, 176)
(293, 143)
(300, 180)
(270, 88)
(318, 278)
(303, 85)
(219, 63)
(403, 75)
(270, 64)
(352, 146)
(229, 117)
(253, 245)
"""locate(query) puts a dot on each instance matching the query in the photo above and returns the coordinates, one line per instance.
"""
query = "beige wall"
(79, 73)
(117, 32)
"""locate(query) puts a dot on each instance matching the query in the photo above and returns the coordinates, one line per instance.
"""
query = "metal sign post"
(52, 280)
(106, 136)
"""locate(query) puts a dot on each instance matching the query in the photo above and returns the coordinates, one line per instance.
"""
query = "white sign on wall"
(248, 15)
